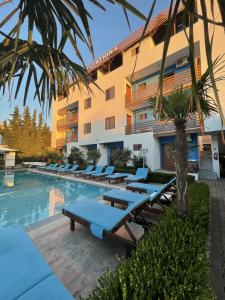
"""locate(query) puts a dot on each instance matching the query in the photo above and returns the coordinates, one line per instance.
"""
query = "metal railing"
(161, 128)
(68, 121)
(141, 96)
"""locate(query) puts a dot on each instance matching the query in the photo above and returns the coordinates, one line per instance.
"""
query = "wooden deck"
(77, 258)
(217, 236)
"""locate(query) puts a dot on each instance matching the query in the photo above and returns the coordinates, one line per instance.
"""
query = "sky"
(107, 29)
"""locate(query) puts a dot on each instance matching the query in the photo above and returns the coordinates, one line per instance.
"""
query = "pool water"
(27, 197)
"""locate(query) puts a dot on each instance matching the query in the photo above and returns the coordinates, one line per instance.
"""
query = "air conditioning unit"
(181, 62)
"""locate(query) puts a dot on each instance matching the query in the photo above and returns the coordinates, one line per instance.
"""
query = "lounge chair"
(127, 198)
(45, 167)
(141, 175)
(50, 167)
(55, 167)
(58, 169)
(87, 170)
(24, 274)
(64, 169)
(117, 176)
(104, 220)
(97, 170)
(149, 187)
(73, 169)
(108, 171)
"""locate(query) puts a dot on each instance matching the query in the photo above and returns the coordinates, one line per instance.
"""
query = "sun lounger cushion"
(21, 265)
(48, 289)
(125, 196)
(118, 175)
(149, 188)
(99, 215)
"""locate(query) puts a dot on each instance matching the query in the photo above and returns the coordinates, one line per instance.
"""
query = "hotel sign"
(103, 58)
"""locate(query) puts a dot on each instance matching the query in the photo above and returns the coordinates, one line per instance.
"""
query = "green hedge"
(161, 177)
(170, 262)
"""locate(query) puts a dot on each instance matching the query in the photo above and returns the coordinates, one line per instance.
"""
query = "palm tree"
(180, 106)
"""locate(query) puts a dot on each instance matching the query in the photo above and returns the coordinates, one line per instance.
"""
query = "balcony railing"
(68, 121)
(140, 97)
(160, 128)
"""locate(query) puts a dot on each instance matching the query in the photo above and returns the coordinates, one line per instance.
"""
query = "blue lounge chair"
(55, 167)
(127, 198)
(104, 220)
(149, 187)
(24, 274)
(108, 171)
(117, 176)
(51, 166)
(87, 170)
(141, 175)
(64, 169)
(97, 170)
(73, 169)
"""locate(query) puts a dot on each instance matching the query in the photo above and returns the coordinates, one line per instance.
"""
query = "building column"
(215, 155)
(104, 154)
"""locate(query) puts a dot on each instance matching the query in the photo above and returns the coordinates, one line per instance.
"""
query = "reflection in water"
(8, 179)
(55, 197)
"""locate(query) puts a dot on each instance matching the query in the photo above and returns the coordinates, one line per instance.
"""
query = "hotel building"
(119, 116)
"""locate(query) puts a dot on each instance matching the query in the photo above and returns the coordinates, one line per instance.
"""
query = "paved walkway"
(217, 242)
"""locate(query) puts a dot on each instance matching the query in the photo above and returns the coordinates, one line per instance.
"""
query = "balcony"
(140, 97)
(68, 121)
(159, 128)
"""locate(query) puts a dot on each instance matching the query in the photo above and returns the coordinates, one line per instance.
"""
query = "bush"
(127, 169)
(121, 157)
(76, 156)
(170, 262)
(94, 155)
(160, 177)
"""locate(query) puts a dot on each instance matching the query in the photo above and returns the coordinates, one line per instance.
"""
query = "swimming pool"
(27, 197)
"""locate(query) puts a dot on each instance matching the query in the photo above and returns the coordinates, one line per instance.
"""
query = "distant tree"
(25, 135)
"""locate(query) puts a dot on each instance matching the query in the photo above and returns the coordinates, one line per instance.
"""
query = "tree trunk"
(181, 167)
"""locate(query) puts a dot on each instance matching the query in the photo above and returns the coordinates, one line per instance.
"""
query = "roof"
(132, 39)
(6, 149)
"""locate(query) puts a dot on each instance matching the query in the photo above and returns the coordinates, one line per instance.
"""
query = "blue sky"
(108, 29)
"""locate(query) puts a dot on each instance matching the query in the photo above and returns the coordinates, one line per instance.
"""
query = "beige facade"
(122, 101)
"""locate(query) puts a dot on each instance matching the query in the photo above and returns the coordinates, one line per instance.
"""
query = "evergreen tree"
(24, 134)
(15, 126)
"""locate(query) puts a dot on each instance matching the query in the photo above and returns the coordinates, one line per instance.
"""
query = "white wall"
(148, 141)
(215, 150)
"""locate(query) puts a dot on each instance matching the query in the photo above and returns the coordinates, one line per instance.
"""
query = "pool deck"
(78, 258)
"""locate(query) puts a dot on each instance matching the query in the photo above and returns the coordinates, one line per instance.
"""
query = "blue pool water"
(26, 197)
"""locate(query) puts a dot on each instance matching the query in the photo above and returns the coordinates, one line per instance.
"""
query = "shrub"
(161, 177)
(121, 157)
(128, 169)
(76, 155)
(94, 156)
(170, 262)
(137, 161)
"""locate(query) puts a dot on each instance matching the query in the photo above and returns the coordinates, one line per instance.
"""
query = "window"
(142, 86)
(142, 117)
(87, 103)
(87, 128)
(135, 51)
(137, 147)
(110, 93)
(109, 123)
